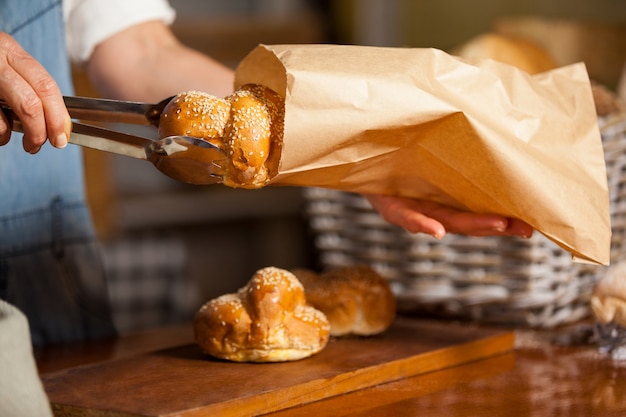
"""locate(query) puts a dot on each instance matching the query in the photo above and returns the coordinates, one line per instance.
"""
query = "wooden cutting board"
(181, 381)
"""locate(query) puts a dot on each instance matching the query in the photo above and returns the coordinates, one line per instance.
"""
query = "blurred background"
(170, 247)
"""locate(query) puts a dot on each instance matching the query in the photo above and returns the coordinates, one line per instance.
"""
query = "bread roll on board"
(265, 321)
(355, 299)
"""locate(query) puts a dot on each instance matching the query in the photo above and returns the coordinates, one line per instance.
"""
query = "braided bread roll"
(267, 320)
(195, 114)
(247, 125)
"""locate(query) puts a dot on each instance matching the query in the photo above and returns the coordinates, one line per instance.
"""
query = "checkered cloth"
(148, 282)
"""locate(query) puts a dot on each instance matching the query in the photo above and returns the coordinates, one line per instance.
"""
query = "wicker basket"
(495, 280)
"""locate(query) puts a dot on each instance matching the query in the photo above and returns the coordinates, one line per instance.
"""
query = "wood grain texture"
(181, 381)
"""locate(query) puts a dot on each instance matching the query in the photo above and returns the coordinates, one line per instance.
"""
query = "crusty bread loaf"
(532, 58)
(356, 299)
(265, 321)
(519, 52)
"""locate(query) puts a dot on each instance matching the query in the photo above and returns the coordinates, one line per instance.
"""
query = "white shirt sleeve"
(89, 22)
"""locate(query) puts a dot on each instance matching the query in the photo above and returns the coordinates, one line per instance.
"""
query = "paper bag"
(481, 136)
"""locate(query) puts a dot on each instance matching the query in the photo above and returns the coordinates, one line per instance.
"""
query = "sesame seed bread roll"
(265, 321)
(253, 136)
(247, 126)
(195, 114)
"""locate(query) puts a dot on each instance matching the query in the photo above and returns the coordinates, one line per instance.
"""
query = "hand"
(34, 96)
(422, 216)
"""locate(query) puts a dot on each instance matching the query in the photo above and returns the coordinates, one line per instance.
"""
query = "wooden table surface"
(538, 378)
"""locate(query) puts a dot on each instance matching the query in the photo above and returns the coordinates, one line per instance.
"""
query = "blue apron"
(50, 266)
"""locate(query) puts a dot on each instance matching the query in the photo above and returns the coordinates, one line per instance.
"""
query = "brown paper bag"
(480, 136)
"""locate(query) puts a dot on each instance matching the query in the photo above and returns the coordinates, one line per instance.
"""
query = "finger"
(34, 96)
(476, 224)
(5, 130)
(422, 216)
(48, 99)
(520, 228)
(19, 94)
(471, 224)
(26, 105)
(399, 212)
(418, 215)
(58, 121)
(415, 222)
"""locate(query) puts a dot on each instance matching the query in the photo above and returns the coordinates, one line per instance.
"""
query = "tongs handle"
(94, 137)
(110, 111)
(110, 141)
(187, 159)
(114, 111)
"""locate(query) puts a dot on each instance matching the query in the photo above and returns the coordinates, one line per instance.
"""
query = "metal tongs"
(183, 158)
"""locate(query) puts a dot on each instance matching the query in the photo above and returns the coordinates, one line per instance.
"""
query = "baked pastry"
(517, 51)
(607, 103)
(196, 114)
(355, 299)
(247, 125)
(608, 301)
(253, 136)
(265, 321)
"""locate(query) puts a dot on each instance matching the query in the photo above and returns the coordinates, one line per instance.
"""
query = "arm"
(147, 63)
